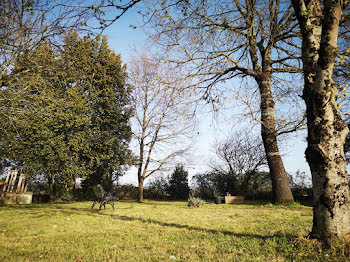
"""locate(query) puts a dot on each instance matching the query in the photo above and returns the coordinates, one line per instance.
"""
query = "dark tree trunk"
(140, 170)
(140, 180)
(140, 190)
(326, 130)
(280, 184)
(50, 184)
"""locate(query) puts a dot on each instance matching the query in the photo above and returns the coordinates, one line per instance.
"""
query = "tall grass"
(161, 231)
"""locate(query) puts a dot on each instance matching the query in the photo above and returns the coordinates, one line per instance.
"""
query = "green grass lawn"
(160, 231)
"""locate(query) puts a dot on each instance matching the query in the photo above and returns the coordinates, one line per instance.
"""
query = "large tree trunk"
(140, 175)
(326, 130)
(140, 188)
(280, 184)
(325, 155)
(140, 191)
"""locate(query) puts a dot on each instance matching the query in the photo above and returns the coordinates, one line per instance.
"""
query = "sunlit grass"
(159, 231)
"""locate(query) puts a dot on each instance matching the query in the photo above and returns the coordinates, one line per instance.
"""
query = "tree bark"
(326, 130)
(140, 175)
(280, 185)
(140, 190)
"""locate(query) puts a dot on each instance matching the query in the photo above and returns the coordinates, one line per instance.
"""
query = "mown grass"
(160, 231)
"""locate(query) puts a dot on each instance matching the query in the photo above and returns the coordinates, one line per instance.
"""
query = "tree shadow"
(200, 229)
(57, 209)
(18, 206)
(163, 203)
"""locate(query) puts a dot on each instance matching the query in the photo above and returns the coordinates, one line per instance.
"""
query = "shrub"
(126, 192)
(178, 183)
(156, 189)
(204, 186)
(194, 202)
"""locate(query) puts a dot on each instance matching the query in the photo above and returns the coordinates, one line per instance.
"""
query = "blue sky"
(122, 37)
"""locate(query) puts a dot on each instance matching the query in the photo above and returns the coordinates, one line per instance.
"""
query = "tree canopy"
(75, 112)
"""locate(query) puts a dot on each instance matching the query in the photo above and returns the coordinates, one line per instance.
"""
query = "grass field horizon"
(161, 231)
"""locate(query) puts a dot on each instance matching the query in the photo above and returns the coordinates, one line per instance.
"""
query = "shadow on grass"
(60, 209)
(205, 230)
(83, 211)
(31, 206)
(165, 203)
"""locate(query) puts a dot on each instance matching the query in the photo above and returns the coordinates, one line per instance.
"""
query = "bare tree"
(105, 11)
(242, 156)
(222, 40)
(163, 116)
(319, 25)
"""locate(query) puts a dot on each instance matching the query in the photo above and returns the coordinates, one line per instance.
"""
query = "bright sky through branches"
(123, 36)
